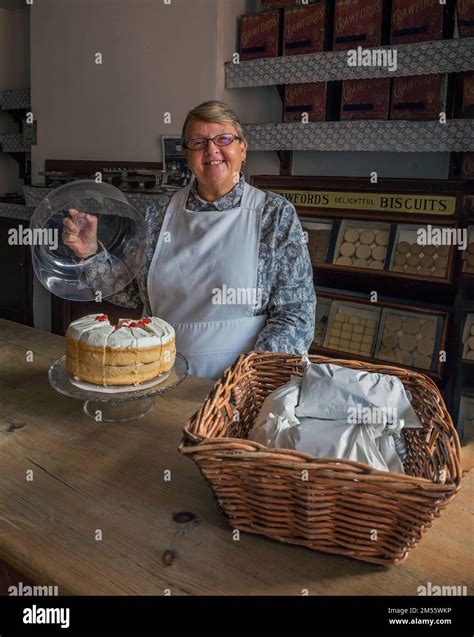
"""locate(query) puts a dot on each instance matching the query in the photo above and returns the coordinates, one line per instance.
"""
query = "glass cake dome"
(95, 210)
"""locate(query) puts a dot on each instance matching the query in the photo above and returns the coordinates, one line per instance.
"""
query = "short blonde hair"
(213, 112)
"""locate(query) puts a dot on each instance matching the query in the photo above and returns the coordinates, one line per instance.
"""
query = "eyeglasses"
(200, 143)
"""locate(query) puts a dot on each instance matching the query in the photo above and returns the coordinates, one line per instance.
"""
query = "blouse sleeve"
(292, 303)
(104, 267)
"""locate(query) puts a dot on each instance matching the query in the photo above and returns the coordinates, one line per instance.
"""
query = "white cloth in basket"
(329, 413)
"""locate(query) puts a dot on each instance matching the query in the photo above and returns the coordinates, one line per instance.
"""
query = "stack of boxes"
(287, 27)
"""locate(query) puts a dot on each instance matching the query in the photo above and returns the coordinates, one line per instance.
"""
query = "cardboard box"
(307, 29)
(467, 166)
(461, 166)
(260, 35)
(464, 25)
(360, 23)
(276, 4)
(365, 99)
(313, 98)
(419, 97)
(465, 95)
(420, 20)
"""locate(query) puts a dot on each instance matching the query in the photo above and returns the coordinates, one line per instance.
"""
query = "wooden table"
(90, 477)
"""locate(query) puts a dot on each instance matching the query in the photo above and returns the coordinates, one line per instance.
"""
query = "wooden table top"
(90, 476)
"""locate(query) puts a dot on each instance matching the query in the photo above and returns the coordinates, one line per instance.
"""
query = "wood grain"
(90, 476)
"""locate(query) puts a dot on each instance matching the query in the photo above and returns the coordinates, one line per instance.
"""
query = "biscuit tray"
(120, 405)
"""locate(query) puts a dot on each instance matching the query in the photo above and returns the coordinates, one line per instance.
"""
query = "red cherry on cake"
(145, 320)
(102, 317)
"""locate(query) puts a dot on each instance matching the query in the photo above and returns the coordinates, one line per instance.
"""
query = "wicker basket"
(325, 504)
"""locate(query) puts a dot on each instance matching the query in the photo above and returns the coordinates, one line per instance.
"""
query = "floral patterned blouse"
(284, 278)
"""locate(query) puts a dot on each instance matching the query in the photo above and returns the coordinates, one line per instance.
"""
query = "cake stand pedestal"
(119, 406)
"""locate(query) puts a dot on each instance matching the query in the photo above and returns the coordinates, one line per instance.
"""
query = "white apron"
(199, 257)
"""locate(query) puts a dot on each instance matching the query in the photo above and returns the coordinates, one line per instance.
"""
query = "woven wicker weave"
(331, 505)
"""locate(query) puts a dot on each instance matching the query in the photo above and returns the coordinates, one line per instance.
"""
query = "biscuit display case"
(399, 239)
(362, 244)
(410, 337)
(412, 255)
(468, 339)
(352, 328)
(468, 255)
(371, 225)
(393, 248)
(317, 236)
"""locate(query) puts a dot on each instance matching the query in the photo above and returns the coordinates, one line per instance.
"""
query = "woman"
(226, 263)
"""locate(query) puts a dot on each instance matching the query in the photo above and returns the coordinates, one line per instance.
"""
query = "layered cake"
(128, 352)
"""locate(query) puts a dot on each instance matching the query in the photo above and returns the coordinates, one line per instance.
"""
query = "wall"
(157, 58)
(14, 73)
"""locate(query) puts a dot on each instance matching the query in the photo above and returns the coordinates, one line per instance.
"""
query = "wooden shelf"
(386, 283)
(15, 99)
(421, 58)
(363, 135)
(13, 143)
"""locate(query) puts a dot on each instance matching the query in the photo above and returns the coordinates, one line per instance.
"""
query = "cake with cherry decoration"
(128, 352)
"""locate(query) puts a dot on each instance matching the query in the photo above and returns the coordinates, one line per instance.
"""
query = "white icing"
(102, 334)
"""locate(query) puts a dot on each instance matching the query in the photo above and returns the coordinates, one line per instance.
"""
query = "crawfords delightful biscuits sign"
(390, 202)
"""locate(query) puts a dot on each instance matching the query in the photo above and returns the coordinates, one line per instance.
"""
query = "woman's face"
(216, 168)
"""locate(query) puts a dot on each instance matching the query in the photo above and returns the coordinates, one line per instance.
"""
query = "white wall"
(157, 58)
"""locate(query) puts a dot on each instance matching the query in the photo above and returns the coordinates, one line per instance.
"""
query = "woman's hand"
(80, 233)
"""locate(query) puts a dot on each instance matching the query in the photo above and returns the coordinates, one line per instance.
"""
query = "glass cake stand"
(119, 406)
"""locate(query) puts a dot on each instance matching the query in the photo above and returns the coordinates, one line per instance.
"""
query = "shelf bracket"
(286, 161)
